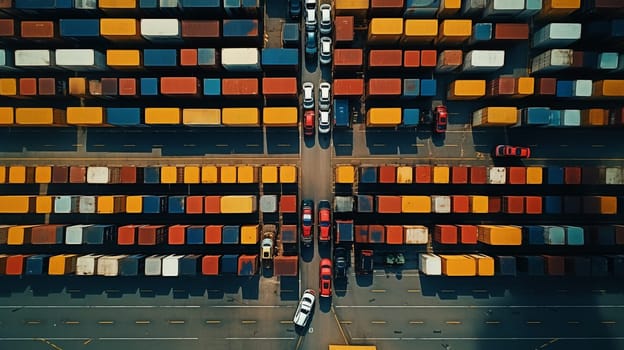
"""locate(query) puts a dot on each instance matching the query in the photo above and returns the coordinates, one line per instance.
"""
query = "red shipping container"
(411, 58)
(450, 58)
(501, 86)
(516, 175)
(7, 26)
(3, 259)
(212, 204)
(533, 204)
(15, 264)
(127, 87)
(188, 57)
(239, 87)
(77, 174)
(361, 234)
(178, 85)
(37, 29)
(151, 234)
(546, 86)
(422, 174)
(348, 87)
(385, 58)
(394, 234)
(210, 265)
(28, 86)
(495, 204)
(445, 234)
(572, 175)
(60, 174)
(461, 204)
(212, 234)
(284, 265)
(384, 86)
(200, 29)
(176, 234)
(195, 204)
(387, 174)
(389, 4)
(288, 204)
(279, 86)
(428, 58)
(389, 204)
(478, 175)
(513, 204)
(348, 58)
(47, 86)
(554, 265)
(344, 29)
(467, 234)
(128, 175)
(126, 235)
(578, 58)
(45, 234)
(511, 31)
(459, 175)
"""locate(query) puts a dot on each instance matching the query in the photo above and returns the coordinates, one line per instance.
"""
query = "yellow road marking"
(213, 321)
(72, 322)
(345, 322)
(378, 291)
(33, 322)
(87, 341)
(413, 290)
(453, 322)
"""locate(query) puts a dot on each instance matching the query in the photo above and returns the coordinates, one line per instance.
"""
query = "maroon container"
(554, 265)
(109, 86)
(200, 29)
(37, 29)
(502, 86)
(28, 86)
(77, 174)
(478, 175)
(60, 174)
(128, 175)
(7, 27)
(546, 86)
(495, 204)
(572, 175)
(459, 175)
(47, 86)
(361, 233)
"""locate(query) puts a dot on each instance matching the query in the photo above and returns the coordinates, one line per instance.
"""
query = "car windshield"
(326, 277)
(307, 218)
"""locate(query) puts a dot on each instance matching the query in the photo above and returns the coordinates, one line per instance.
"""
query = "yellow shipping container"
(485, 264)
(19, 234)
(8, 86)
(344, 5)
(607, 204)
(16, 204)
(405, 175)
(168, 175)
(238, 204)
(191, 174)
(157, 115)
(386, 30)
(495, 116)
(39, 116)
(85, 115)
(458, 265)
(352, 347)
(43, 204)
(288, 174)
(279, 116)
(249, 234)
(118, 27)
(3, 172)
(117, 4)
(479, 204)
(269, 174)
(449, 8)
(209, 174)
(455, 30)
(345, 174)
(420, 30)
(201, 116)
(228, 174)
(534, 175)
(134, 204)
(62, 264)
(105, 204)
(122, 58)
(526, 85)
(246, 174)
(236, 116)
(78, 86)
(17, 174)
(7, 116)
(441, 174)
(415, 204)
(609, 88)
(43, 174)
(466, 89)
(558, 8)
(594, 117)
(499, 234)
(383, 117)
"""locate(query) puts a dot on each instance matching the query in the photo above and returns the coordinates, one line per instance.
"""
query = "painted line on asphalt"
(213, 321)
(378, 322)
(251, 306)
(33, 322)
(452, 145)
(417, 322)
(169, 338)
(483, 338)
(102, 306)
(378, 290)
(492, 322)
(608, 322)
(176, 321)
(453, 322)
(533, 322)
(254, 338)
(248, 321)
(143, 322)
(413, 290)
(286, 322)
(479, 306)
(345, 322)
(71, 322)
(106, 322)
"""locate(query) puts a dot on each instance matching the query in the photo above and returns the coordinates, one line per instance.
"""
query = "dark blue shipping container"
(599, 266)
(246, 266)
(505, 265)
(154, 204)
(534, 235)
(532, 265)
(214, 4)
(578, 265)
(35, 4)
(564, 88)
(552, 205)
(289, 234)
(37, 264)
(604, 235)
(411, 117)
(151, 175)
(189, 265)
(376, 234)
(148, 4)
(131, 265)
(421, 9)
(79, 27)
(160, 57)
(99, 234)
(364, 203)
(195, 235)
(428, 87)
(229, 264)
(411, 87)
(149, 86)
(206, 57)
(176, 205)
(344, 231)
(532, 116)
(554, 175)
(290, 35)
(212, 87)
(341, 113)
(368, 175)
(230, 234)
(616, 265)
(555, 118)
(123, 116)
(572, 205)
(481, 32)
(240, 28)
(280, 57)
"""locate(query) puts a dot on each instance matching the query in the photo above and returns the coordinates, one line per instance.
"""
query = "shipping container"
(556, 35)
(151, 234)
(63, 264)
(385, 30)
(17, 204)
(505, 265)
(268, 203)
(279, 87)
(153, 265)
(159, 29)
(287, 174)
(344, 231)
(286, 265)
(242, 59)
(79, 59)
(365, 203)
(384, 116)
(460, 204)
(499, 235)
(213, 234)
(126, 235)
(201, 116)
(466, 90)
(39, 116)
(441, 204)
(495, 204)
(248, 265)
(513, 204)
(288, 234)
(119, 28)
(410, 204)
(348, 87)
(418, 8)
(458, 265)
(47, 234)
(86, 265)
(343, 204)
(552, 60)
(387, 174)
(430, 264)
(131, 265)
(240, 116)
(37, 264)
(347, 59)
(210, 265)
(343, 29)
(279, 116)
(481, 32)
(468, 234)
(495, 116)
(376, 234)
(533, 204)
(288, 204)
(229, 264)
(33, 58)
(415, 234)
(422, 174)
(454, 31)
(445, 234)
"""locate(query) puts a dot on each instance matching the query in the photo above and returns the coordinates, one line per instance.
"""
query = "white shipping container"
(25, 58)
(571, 117)
(552, 60)
(86, 205)
(608, 60)
(613, 176)
(87, 265)
(268, 203)
(504, 7)
(343, 204)
(240, 59)
(85, 4)
(557, 34)
(473, 7)
(484, 60)
(79, 58)
(582, 88)
(109, 265)
(74, 234)
(168, 3)
(430, 264)
(416, 234)
(496, 175)
(97, 175)
(62, 204)
(441, 204)
(160, 28)
(153, 265)
(171, 265)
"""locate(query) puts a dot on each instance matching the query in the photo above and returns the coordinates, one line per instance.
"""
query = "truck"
(341, 113)
(267, 246)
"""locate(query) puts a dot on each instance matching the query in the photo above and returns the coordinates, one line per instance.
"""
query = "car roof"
(324, 115)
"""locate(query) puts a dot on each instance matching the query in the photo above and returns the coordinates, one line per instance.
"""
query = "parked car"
(324, 122)
(326, 20)
(308, 123)
(512, 151)
(304, 309)
(441, 119)
(325, 276)
(267, 246)
(310, 4)
(326, 50)
(307, 221)
(308, 95)
(365, 262)
(395, 259)
(310, 20)
(294, 8)
(340, 262)
(324, 221)
(310, 48)
(325, 96)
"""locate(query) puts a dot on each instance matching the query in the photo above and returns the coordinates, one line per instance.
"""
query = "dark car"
(512, 151)
(324, 221)
(308, 123)
(365, 262)
(325, 275)
(340, 262)
(307, 221)
(294, 8)
(441, 119)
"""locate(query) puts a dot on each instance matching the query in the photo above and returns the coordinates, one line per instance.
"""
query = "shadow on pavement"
(289, 287)
(381, 141)
(307, 253)
(324, 140)
(325, 304)
(340, 286)
(282, 140)
(343, 141)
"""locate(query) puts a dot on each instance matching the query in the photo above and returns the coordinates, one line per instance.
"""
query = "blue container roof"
(123, 116)
(79, 27)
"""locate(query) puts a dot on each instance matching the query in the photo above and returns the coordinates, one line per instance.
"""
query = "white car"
(326, 21)
(310, 20)
(326, 50)
(308, 95)
(324, 123)
(310, 4)
(325, 94)
(302, 315)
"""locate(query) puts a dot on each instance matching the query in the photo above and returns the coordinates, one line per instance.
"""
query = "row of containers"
(143, 235)
(232, 8)
(523, 265)
(478, 175)
(150, 116)
(190, 265)
(237, 59)
(188, 174)
(147, 204)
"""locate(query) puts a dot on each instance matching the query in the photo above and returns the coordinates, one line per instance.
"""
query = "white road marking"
(101, 306)
(253, 338)
(479, 306)
(83, 339)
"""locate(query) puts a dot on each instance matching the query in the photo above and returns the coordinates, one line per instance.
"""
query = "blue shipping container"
(411, 117)
(209, 4)
(428, 87)
(368, 175)
(240, 28)
(230, 234)
(364, 203)
(176, 205)
(420, 8)
(608, 60)
(148, 4)
(575, 235)
(149, 86)
(99, 234)
(246, 266)
(154, 204)
(290, 34)
(151, 175)
(411, 87)
(599, 266)
(35, 4)
(195, 235)
(344, 231)
(289, 235)
(481, 32)
(376, 234)
(552, 205)
(554, 235)
(206, 57)
(554, 175)
(160, 57)
(212, 87)
(229, 264)
(79, 27)
(341, 113)
(189, 265)
(37, 264)
(532, 265)
(555, 118)
(564, 88)
(280, 57)
(505, 265)
(605, 235)
(123, 116)
(534, 235)
(535, 116)
(131, 265)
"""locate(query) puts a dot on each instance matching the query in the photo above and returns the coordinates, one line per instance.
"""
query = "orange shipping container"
(212, 234)
(389, 204)
(460, 204)
(239, 87)
(210, 265)
(279, 86)
(445, 234)
(194, 204)
(15, 264)
(176, 234)
(39, 116)
(467, 234)
(385, 58)
(178, 85)
(516, 175)
(533, 204)
(212, 204)
(37, 29)
(422, 174)
(394, 234)
(347, 58)
(348, 87)
(458, 265)
(384, 87)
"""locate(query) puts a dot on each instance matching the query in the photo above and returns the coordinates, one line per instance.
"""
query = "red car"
(307, 215)
(325, 275)
(441, 119)
(308, 123)
(324, 221)
(512, 151)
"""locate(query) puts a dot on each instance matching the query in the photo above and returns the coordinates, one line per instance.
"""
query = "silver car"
(325, 96)
(308, 95)
(324, 122)
(326, 51)
(326, 21)
(302, 315)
